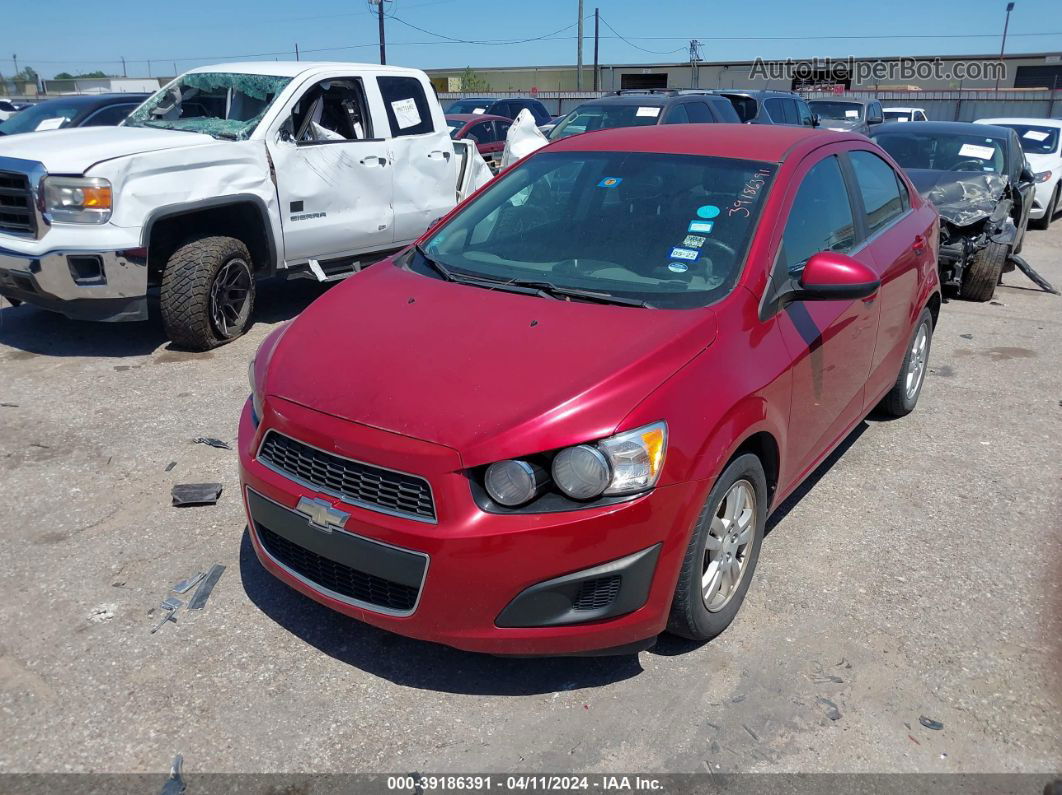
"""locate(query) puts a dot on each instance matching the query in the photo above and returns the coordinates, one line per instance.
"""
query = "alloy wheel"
(916, 366)
(230, 297)
(727, 546)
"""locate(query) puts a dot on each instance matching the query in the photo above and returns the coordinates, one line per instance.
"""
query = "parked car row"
(96, 110)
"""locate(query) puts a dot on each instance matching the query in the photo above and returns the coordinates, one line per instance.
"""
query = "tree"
(470, 81)
(85, 75)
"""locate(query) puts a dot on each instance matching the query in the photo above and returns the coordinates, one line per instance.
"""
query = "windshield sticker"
(610, 182)
(654, 112)
(704, 227)
(406, 113)
(684, 253)
(1034, 135)
(479, 111)
(979, 152)
(678, 267)
(694, 241)
(749, 193)
(851, 114)
(708, 211)
(50, 124)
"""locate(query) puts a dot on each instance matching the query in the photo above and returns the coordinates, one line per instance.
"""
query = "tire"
(691, 616)
(198, 278)
(981, 276)
(1052, 208)
(902, 398)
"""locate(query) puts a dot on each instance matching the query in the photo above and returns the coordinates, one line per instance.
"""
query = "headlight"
(626, 463)
(513, 483)
(82, 200)
(1043, 176)
(256, 395)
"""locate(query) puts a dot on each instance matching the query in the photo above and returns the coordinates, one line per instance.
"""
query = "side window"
(677, 115)
(820, 219)
(773, 106)
(698, 112)
(879, 188)
(109, 116)
(505, 109)
(540, 113)
(408, 112)
(789, 108)
(804, 116)
(919, 116)
(482, 133)
(502, 128)
(332, 110)
(875, 115)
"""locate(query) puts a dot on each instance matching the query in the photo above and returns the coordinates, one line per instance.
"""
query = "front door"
(333, 174)
(831, 342)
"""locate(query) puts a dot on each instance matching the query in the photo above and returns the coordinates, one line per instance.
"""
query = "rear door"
(333, 172)
(424, 167)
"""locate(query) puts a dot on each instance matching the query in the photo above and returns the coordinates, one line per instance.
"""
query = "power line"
(635, 46)
(490, 42)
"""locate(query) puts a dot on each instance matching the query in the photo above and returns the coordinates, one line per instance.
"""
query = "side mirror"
(285, 134)
(832, 276)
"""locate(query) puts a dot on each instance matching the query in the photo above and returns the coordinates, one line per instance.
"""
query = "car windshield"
(668, 230)
(455, 126)
(469, 106)
(1036, 140)
(943, 151)
(843, 111)
(46, 116)
(222, 104)
(587, 118)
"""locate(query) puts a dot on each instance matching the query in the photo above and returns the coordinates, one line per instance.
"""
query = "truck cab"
(227, 174)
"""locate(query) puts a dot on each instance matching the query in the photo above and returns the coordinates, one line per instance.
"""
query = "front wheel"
(981, 276)
(901, 399)
(207, 293)
(722, 552)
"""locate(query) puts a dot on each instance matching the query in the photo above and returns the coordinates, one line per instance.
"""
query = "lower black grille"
(16, 204)
(597, 593)
(337, 577)
(353, 481)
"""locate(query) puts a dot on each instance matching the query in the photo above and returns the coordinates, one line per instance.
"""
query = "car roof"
(756, 92)
(945, 127)
(903, 109)
(467, 117)
(296, 68)
(96, 100)
(845, 98)
(771, 143)
(1057, 123)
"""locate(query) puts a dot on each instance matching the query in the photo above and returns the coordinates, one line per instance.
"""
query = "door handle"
(920, 244)
(435, 154)
(374, 160)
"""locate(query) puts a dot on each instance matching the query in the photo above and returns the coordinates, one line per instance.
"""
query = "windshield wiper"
(479, 281)
(589, 295)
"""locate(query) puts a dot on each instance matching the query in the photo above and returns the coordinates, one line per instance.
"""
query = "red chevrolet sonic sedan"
(558, 424)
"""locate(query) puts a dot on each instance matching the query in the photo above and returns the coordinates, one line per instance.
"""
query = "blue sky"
(80, 36)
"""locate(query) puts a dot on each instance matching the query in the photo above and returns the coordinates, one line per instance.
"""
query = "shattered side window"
(222, 104)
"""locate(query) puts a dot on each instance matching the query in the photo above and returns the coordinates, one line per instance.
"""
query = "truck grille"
(352, 481)
(338, 577)
(17, 213)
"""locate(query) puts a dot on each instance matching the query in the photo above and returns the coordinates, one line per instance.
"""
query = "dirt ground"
(919, 573)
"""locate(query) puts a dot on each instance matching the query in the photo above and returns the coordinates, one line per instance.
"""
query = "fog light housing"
(513, 483)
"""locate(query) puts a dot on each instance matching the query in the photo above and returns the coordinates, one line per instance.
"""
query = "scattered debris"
(41, 446)
(737, 699)
(966, 336)
(752, 734)
(185, 585)
(102, 613)
(210, 440)
(929, 723)
(199, 598)
(820, 677)
(943, 755)
(121, 368)
(170, 606)
(9, 405)
(832, 711)
(997, 303)
(171, 465)
(196, 493)
(912, 739)
(175, 783)
(1027, 269)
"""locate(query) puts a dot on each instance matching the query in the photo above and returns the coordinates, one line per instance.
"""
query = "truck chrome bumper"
(84, 285)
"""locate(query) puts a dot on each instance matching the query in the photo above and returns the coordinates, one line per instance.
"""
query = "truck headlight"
(79, 200)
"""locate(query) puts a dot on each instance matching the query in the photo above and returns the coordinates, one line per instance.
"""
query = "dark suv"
(770, 107)
(638, 108)
(507, 107)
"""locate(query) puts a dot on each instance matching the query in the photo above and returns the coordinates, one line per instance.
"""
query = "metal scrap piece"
(170, 606)
(210, 440)
(199, 598)
(175, 783)
(196, 493)
(185, 585)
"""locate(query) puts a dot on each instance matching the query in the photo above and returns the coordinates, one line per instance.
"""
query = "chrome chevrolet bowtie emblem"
(321, 514)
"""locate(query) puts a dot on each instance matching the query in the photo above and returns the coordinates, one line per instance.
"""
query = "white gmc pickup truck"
(227, 174)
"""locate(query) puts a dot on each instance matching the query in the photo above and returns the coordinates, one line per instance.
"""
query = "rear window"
(671, 230)
(842, 111)
(469, 106)
(587, 118)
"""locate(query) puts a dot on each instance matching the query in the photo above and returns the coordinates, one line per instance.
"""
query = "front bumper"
(485, 578)
(83, 285)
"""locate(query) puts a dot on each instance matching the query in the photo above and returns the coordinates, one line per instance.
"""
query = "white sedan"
(1041, 139)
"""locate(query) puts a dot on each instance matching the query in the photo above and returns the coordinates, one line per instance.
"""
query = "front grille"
(597, 593)
(358, 483)
(17, 214)
(337, 577)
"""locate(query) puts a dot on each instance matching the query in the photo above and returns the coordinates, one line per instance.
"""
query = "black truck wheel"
(981, 276)
(207, 293)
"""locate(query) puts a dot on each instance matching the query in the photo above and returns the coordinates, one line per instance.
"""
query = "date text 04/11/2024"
(519, 783)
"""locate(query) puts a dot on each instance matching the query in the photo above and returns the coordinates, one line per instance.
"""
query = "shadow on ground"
(37, 331)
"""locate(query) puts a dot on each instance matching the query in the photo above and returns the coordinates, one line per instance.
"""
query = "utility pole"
(15, 59)
(1003, 45)
(380, 16)
(695, 63)
(124, 72)
(579, 52)
(296, 51)
(597, 39)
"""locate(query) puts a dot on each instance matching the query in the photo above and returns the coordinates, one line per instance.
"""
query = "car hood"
(841, 124)
(961, 197)
(1041, 162)
(487, 373)
(75, 151)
